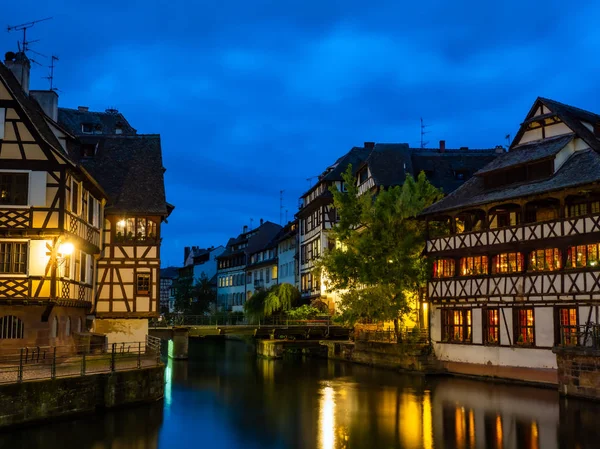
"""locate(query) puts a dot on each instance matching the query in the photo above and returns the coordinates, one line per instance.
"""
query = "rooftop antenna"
(251, 221)
(51, 76)
(310, 181)
(423, 132)
(507, 137)
(281, 207)
(24, 44)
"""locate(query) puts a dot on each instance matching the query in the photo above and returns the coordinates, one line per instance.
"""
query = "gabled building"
(51, 215)
(262, 269)
(516, 250)
(232, 263)
(167, 289)
(376, 166)
(129, 167)
(202, 261)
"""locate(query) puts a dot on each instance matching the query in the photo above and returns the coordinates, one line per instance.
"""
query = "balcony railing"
(82, 229)
(366, 186)
(16, 218)
(563, 227)
(564, 282)
(584, 336)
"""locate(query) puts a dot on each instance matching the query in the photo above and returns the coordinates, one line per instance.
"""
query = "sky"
(255, 97)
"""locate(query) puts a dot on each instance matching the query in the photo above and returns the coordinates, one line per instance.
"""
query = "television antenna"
(24, 44)
(310, 181)
(51, 76)
(281, 208)
(423, 132)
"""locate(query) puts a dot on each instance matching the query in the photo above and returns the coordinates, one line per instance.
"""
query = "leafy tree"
(304, 312)
(265, 303)
(193, 296)
(376, 264)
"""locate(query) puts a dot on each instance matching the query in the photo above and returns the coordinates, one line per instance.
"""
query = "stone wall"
(578, 371)
(404, 357)
(47, 399)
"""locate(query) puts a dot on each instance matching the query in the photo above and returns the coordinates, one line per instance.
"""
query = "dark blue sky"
(252, 97)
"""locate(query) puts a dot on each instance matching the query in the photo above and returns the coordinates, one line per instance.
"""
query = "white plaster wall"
(37, 188)
(557, 129)
(38, 258)
(496, 355)
(531, 135)
(544, 326)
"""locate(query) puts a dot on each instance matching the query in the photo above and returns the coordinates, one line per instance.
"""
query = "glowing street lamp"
(65, 249)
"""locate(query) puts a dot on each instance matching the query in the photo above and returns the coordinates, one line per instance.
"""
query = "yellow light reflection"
(327, 419)
(411, 432)
(499, 433)
(534, 436)
(471, 429)
(427, 422)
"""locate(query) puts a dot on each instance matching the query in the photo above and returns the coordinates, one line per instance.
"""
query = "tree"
(193, 296)
(265, 303)
(376, 263)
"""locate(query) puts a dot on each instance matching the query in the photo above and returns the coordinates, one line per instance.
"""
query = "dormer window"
(87, 128)
(118, 128)
(88, 150)
(362, 176)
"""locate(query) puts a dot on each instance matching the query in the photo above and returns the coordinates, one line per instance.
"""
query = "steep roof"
(73, 119)
(169, 272)
(390, 163)
(582, 168)
(529, 152)
(130, 169)
(257, 239)
(32, 110)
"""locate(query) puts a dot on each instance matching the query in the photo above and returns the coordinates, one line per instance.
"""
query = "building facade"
(203, 260)
(287, 255)
(232, 285)
(376, 166)
(167, 289)
(515, 250)
(50, 222)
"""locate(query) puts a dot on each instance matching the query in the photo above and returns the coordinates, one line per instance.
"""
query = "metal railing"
(236, 320)
(585, 336)
(405, 335)
(51, 362)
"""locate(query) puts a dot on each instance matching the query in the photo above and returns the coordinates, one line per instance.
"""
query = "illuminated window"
(491, 326)
(456, 325)
(142, 284)
(508, 263)
(545, 260)
(565, 326)
(524, 326)
(274, 272)
(473, 266)
(583, 256)
(443, 268)
(14, 188)
(579, 209)
(13, 257)
(135, 229)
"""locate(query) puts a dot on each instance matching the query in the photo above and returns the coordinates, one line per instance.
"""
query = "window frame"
(484, 263)
(518, 327)
(519, 263)
(488, 326)
(450, 329)
(11, 327)
(533, 266)
(573, 328)
(25, 262)
(448, 266)
(595, 264)
(147, 275)
(28, 193)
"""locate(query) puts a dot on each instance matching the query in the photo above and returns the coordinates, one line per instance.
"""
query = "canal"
(225, 398)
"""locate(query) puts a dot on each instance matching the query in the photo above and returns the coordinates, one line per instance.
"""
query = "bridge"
(178, 330)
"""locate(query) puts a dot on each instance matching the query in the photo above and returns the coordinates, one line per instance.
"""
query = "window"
(524, 326)
(456, 325)
(583, 256)
(92, 205)
(87, 128)
(14, 189)
(274, 273)
(125, 229)
(77, 265)
(68, 327)
(473, 266)
(565, 326)
(88, 150)
(78, 325)
(491, 326)
(54, 328)
(545, 260)
(75, 198)
(83, 267)
(142, 285)
(443, 268)
(11, 328)
(508, 263)
(579, 209)
(13, 258)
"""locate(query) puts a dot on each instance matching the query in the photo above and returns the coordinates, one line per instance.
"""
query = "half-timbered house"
(51, 214)
(129, 167)
(516, 250)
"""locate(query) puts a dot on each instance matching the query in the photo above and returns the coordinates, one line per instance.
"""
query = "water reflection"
(224, 397)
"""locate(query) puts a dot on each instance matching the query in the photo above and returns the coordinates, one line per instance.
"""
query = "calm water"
(225, 398)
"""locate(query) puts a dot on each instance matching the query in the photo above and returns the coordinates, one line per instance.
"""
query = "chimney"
(261, 221)
(442, 146)
(369, 145)
(83, 108)
(499, 149)
(464, 148)
(48, 100)
(245, 229)
(186, 253)
(19, 64)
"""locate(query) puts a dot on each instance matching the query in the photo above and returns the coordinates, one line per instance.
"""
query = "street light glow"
(66, 248)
